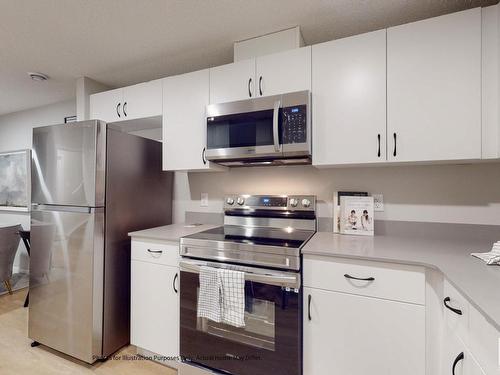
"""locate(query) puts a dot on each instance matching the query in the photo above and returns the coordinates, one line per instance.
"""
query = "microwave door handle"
(276, 113)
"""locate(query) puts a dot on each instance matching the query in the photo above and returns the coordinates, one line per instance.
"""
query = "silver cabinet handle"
(276, 112)
(125, 109)
(118, 106)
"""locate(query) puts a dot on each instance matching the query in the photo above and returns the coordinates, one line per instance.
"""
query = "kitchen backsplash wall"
(433, 193)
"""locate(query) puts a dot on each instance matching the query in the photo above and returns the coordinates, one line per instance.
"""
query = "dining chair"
(9, 242)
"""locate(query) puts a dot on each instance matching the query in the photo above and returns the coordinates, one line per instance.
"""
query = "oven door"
(269, 343)
(246, 129)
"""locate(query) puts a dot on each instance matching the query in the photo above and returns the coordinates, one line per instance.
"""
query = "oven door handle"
(276, 137)
(290, 281)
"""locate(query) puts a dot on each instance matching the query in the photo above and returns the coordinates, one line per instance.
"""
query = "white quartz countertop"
(479, 283)
(172, 232)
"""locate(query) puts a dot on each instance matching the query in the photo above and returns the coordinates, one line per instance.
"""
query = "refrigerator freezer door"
(66, 280)
(68, 164)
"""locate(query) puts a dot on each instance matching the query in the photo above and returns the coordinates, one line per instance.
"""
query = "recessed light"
(39, 77)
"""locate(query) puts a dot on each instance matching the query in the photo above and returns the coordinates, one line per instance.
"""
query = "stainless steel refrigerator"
(91, 185)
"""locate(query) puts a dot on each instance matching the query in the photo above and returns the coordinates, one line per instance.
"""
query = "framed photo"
(336, 205)
(15, 180)
(356, 215)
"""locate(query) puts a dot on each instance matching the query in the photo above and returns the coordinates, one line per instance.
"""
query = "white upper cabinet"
(274, 74)
(349, 100)
(143, 100)
(232, 82)
(106, 106)
(128, 103)
(185, 98)
(491, 82)
(283, 72)
(434, 88)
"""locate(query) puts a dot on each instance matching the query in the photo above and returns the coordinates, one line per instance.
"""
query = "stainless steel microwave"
(273, 130)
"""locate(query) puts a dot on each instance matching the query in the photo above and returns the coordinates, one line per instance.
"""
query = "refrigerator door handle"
(54, 207)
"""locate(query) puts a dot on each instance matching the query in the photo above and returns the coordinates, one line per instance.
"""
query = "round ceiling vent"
(39, 77)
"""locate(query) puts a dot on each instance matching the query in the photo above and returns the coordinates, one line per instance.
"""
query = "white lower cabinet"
(456, 359)
(358, 335)
(467, 330)
(155, 308)
(367, 317)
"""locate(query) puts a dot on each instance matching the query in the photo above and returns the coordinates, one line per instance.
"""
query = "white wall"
(432, 193)
(16, 133)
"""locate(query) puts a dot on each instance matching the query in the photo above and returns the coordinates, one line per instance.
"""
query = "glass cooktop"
(256, 236)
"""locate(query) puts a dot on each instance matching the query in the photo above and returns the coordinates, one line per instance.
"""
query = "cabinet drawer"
(390, 281)
(154, 252)
(457, 321)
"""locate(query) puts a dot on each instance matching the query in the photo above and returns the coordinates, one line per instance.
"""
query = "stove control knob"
(240, 201)
(306, 202)
(294, 202)
(230, 201)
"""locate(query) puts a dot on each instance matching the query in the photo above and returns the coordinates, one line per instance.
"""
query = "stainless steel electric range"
(262, 236)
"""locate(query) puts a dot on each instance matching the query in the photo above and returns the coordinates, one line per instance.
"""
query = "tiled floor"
(17, 357)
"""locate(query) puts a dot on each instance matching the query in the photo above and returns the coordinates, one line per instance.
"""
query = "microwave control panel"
(295, 124)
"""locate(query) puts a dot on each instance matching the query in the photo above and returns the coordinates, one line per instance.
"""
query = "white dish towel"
(210, 296)
(492, 257)
(233, 297)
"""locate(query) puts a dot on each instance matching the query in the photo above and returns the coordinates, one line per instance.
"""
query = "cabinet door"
(233, 82)
(356, 335)
(349, 100)
(484, 342)
(185, 98)
(107, 106)
(154, 314)
(452, 349)
(457, 360)
(143, 100)
(434, 88)
(491, 82)
(283, 72)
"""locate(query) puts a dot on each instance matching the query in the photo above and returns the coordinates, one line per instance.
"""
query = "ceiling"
(121, 42)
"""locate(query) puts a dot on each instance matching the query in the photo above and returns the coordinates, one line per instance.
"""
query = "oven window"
(241, 130)
(269, 344)
(259, 330)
